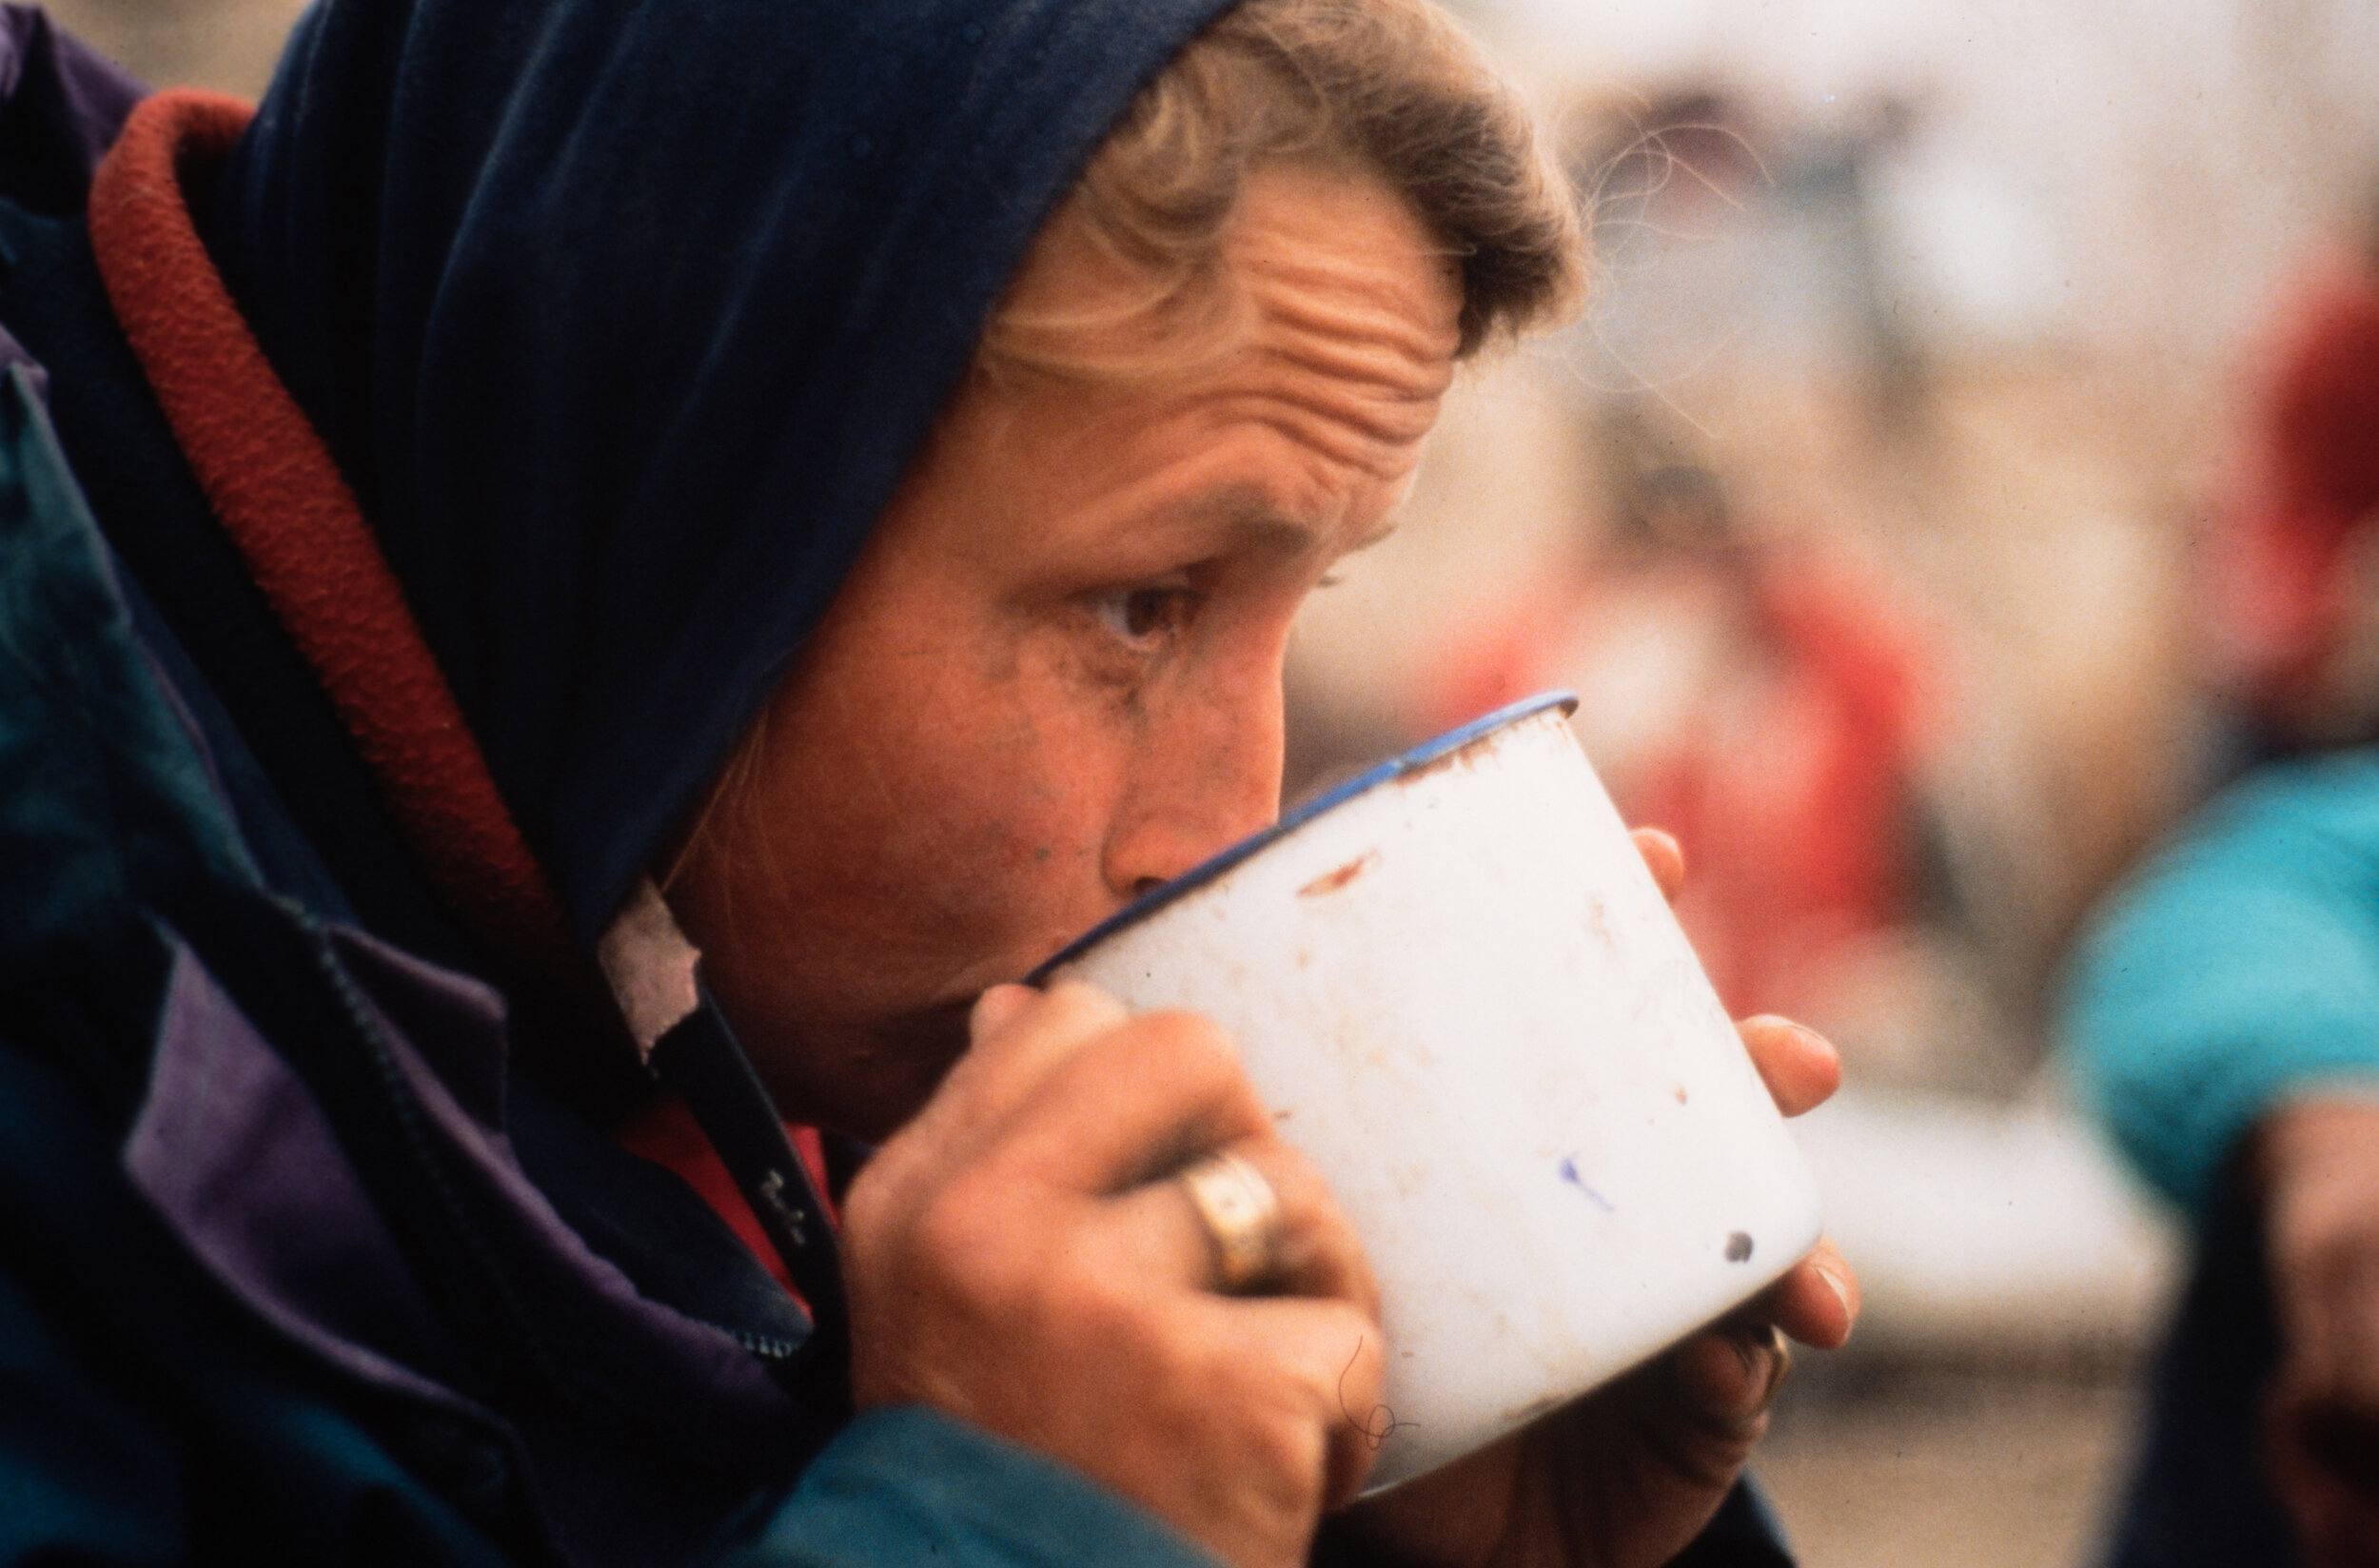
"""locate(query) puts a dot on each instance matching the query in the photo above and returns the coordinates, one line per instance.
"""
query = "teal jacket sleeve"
(2239, 965)
(907, 1486)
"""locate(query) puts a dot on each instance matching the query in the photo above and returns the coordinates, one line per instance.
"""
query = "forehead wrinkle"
(1367, 353)
(1341, 395)
(1418, 306)
(1375, 369)
(1353, 385)
(1336, 439)
(1384, 338)
(1371, 301)
(1369, 425)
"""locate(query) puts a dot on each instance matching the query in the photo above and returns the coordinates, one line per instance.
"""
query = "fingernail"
(1840, 1287)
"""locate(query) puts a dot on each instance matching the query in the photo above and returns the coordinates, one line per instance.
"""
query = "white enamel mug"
(1464, 998)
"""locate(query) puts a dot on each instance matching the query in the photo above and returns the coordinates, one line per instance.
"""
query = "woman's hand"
(1630, 1474)
(1017, 1257)
(2317, 1161)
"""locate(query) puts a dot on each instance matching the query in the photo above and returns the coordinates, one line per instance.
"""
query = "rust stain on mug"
(1333, 881)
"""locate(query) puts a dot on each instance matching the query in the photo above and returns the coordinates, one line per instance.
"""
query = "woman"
(684, 489)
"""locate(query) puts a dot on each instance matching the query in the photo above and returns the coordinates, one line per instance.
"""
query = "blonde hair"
(1386, 90)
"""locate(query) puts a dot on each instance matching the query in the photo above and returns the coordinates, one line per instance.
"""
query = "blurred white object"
(1962, 245)
(1466, 1001)
(2000, 1232)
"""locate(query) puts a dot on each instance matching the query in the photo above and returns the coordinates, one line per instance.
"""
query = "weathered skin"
(1055, 679)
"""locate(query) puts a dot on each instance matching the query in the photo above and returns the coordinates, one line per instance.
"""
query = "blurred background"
(1875, 510)
(1878, 512)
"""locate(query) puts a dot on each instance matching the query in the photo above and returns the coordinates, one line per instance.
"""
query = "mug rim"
(1434, 749)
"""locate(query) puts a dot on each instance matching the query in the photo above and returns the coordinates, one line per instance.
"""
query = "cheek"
(1011, 804)
(927, 831)
(958, 835)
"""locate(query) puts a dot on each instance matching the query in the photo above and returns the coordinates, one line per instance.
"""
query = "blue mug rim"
(1428, 752)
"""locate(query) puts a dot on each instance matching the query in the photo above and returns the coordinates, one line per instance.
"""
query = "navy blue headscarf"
(623, 317)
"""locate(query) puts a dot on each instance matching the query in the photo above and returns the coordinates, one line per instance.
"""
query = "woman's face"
(1054, 680)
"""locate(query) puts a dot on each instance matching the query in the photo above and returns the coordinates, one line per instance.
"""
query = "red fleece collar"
(289, 510)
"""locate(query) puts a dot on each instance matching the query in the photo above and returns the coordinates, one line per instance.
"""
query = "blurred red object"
(2283, 584)
(1766, 709)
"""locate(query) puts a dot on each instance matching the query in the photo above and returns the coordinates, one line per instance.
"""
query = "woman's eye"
(1147, 615)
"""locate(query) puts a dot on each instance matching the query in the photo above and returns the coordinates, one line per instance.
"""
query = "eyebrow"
(1249, 514)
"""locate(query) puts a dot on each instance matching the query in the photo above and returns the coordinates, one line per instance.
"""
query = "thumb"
(996, 1008)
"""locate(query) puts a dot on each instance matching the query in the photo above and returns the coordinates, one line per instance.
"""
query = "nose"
(1205, 775)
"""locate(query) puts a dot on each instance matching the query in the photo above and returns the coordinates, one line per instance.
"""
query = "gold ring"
(1240, 1214)
(1779, 1363)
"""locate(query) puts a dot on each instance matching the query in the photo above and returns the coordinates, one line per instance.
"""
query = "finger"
(1015, 1028)
(1336, 1359)
(2359, 1387)
(1461, 1511)
(2348, 1309)
(1138, 1100)
(1817, 1300)
(1018, 1035)
(2327, 1496)
(997, 1008)
(1800, 1066)
(2304, 1494)
(1729, 1376)
(2316, 1329)
(1663, 857)
(1316, 1251)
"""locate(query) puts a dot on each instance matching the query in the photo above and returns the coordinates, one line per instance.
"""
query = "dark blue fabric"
(60, 106)
(140, 1411)
(2196, 1497)
(1742, 1535)
(307, 805)
(625, 316)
